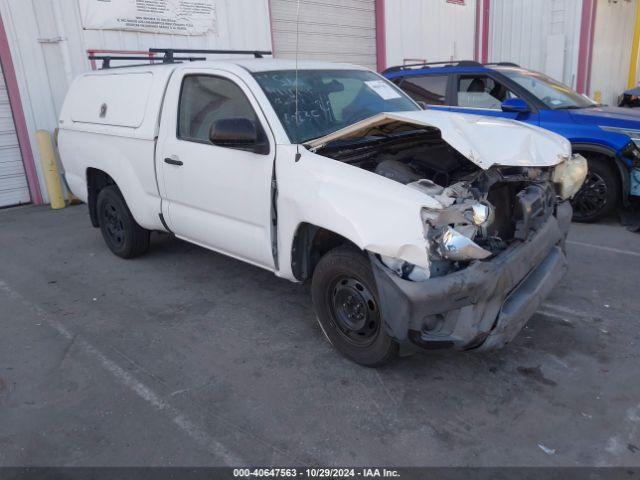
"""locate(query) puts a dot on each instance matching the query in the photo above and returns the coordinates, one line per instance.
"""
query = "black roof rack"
(107, 59)
(503, 64)
(169, 56)
(454, 63)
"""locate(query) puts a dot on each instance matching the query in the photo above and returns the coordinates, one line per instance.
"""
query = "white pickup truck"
(416, 228)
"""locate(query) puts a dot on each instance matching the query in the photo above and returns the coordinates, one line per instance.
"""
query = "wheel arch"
(96, 180)
(310, 243)
(619, 166)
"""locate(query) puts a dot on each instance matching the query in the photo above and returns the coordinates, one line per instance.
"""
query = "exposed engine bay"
(483, 211)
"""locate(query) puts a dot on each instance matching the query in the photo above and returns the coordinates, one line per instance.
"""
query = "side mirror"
(423, 105)
(240, 133)
(516, 105)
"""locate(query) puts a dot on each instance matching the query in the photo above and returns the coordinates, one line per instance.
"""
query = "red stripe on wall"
(381, 36)
(18, 116)
(585, 49)
(486, 6)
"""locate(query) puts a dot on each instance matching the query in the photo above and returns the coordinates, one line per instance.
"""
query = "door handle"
(173, 161)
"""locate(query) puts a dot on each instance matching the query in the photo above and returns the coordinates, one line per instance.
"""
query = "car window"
(552, 93)
(481, 91)
(205, 99)
(430, 89)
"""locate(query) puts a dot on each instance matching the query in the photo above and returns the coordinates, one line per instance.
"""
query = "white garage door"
(13, 181)
(330, 30)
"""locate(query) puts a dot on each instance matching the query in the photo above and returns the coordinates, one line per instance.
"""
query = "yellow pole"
(50, 169)
(633, 62)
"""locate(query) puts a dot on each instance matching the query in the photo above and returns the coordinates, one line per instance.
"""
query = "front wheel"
(599, 194)
(346, 302)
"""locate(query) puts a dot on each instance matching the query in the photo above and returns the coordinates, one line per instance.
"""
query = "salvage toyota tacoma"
(416, 228)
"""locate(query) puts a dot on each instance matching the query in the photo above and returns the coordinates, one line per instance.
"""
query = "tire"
(121, 233)
(600, 193)
(346, 302)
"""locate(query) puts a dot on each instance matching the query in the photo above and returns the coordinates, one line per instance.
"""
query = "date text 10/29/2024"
(315, 473)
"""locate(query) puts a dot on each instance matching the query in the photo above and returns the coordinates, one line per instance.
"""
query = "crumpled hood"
(608, 116)
(486, 141)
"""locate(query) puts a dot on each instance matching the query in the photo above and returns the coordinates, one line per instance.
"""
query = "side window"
(481, 91)
(430, 89)
(204, 99)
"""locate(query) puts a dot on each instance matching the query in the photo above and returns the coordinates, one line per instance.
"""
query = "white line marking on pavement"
(562, 309)
(128, 380)
(607, 249)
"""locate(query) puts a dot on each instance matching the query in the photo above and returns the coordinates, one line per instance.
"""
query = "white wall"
(429, 30)
(612, 48)
(541, 35)
(49, 48)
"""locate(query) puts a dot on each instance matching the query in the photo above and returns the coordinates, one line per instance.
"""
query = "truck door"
(217, 194)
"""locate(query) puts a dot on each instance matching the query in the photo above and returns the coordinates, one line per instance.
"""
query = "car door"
(216, 195)
(482, 94)
(429, 89)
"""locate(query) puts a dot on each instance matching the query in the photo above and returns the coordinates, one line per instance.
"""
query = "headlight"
(482, 215)
(457, 247)
(634, 135)
(452, 230)
(570, 175)
(473, 213)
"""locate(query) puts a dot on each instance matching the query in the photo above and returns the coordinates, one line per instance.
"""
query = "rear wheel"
(600, 192)
(121, 233)
(347, 306)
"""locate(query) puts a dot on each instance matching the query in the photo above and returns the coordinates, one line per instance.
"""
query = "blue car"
(609, 137)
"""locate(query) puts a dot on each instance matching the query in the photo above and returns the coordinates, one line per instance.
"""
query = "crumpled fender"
(375, 213)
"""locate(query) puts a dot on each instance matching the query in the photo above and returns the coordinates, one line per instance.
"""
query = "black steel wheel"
(599, 194)
(111, 218)
(346, 302)
(355, 310)
(121, 233)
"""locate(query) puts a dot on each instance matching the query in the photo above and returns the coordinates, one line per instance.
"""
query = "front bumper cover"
(483, 306)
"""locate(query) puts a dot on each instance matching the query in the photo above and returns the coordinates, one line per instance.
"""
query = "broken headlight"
(451, 231)
(457, 247)
(569, 176)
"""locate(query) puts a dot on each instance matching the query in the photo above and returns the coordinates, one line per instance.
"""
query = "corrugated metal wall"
(329, 30)
(13, 181)
(542, 35)
(433, 31)
(612, 48)
(49, 47)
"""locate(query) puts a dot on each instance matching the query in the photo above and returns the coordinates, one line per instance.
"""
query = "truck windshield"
(328, 100)
(554, 95)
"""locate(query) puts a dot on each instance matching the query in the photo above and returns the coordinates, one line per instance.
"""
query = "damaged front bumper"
(483, 306)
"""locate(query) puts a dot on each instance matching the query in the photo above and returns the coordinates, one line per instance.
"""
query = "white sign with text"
(176, 17)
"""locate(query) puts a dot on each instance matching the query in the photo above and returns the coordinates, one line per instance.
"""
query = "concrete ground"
(187, 357)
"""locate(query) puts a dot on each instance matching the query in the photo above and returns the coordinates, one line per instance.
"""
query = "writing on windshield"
(328, 100)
